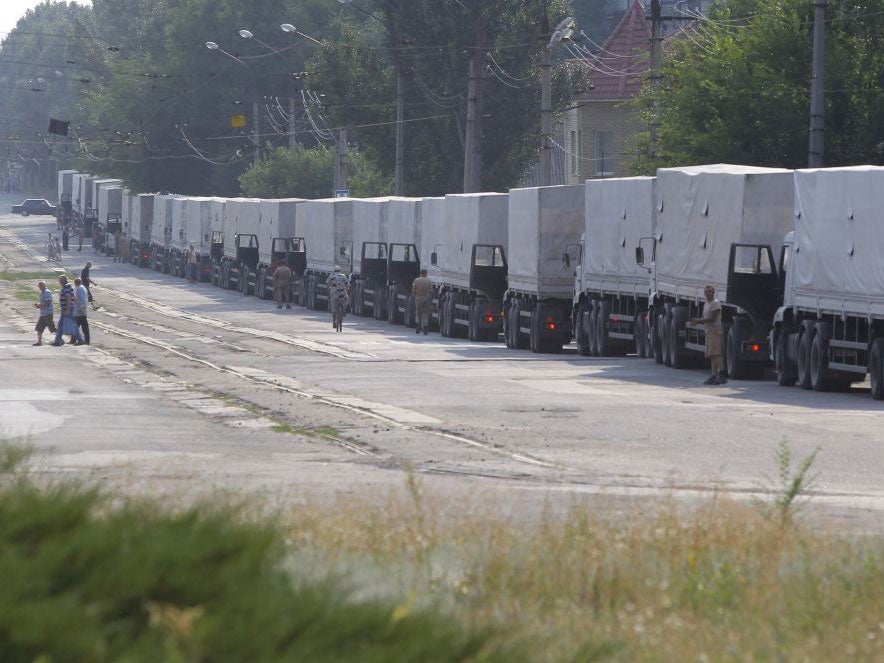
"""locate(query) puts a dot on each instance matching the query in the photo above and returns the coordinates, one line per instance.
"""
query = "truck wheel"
(602, 342)
(819, 364)
(804, 361)
(408, 316)
(592, 329)
(876, 368)
(785, 372)
(454, 329)
(443, 310)
(664, 339)
(581, 332)
(393, 304)
(380, 303)
(736, 367)
(639, 336)
(302, 291)
(677, 318)
(655, 334)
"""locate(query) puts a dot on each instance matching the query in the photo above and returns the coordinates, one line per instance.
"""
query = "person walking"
(711, 321)
(86, 278)
(66, 323)
(50, 248)
(190, 261)
(422, 289)
(47, 311)
(81, 308)
(282, 286)
(338, 291)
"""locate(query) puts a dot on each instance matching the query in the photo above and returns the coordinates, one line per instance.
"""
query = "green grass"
(7, 275)
(26, 294)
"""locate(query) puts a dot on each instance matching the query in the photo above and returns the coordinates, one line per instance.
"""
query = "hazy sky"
(12, 10)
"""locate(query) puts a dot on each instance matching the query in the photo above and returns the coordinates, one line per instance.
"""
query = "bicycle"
(338, 313)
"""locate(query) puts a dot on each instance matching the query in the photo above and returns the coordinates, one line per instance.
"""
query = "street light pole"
(256, 127)
(817, 87)
(545, 100)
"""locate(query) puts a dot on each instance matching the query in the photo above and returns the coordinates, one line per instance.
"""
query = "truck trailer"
(368, 289)
(65, 205)
(240, 260)
(218, 210)
(472, 278)
(278, 244)
(110, 206)
(139, 215)
(161, 232)
(611, 290)
(542, 224)
(327, 225)
(717, 225)
(829, 332)
(404, 230)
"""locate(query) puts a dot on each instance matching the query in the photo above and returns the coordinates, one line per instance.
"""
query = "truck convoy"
(138, 219)
(620, 264)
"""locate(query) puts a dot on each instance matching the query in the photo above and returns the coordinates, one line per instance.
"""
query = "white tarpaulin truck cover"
(140, 216)
(179, 222)
(328, 227)
(110, 201)
(837, 262)
(619, 212)
(369, 225)
(703, 210)
(404, 221)
(218, 207)
(97, 185)
(470, 218)
(84, 194)
(542, 223)
(240, 216)
(161, 229)
(277, 221)
(66, 184)
(198, 224)
(432, 225)
(127, 211)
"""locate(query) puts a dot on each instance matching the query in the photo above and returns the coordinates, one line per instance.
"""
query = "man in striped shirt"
(66, 323)
(47, 310)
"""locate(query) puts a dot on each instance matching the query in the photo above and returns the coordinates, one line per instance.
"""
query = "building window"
(604, 157)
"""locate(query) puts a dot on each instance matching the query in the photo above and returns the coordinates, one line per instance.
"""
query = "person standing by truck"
(190, 261)
(282, 286)
(711, 321)
(88, 282)
(422, 289)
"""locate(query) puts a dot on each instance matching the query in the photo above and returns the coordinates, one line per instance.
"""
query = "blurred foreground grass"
(418, 577)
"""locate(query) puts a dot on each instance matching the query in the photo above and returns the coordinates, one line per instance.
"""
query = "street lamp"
(563, 31)
(256, 131)
(399, 168)
(288, 27)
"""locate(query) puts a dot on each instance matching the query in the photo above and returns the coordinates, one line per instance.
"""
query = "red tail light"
(489, 317)
(756, 348)
(550, 323)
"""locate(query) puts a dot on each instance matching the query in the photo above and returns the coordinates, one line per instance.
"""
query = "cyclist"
(338, 289)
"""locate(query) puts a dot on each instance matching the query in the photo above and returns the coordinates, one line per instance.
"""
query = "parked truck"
(611, 291)
(85, 213)
(328, 232)
(65, 205)
(368, 289)
(240, 260)
(216, 251)
(431, 242)
(278, 244)
(161, 232)
(138, 219)
(543, 223)
(472, 278)
(829, 332)
(110, 205)
(404, 230)
(717, 225)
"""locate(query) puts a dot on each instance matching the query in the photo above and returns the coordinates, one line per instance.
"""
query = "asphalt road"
(188, 387)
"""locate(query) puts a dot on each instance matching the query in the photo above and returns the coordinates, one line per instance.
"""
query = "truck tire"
(876, 369)
(592, 329)
(581, 332)
(443, 311)
(311, 293)
(508, 324)
(677, 318)
(819, 363)
(736, 367)
(408, 317)
(655, 334)
(302, 291)
(803, 360)
(454, 328)
(664, 338)
(380, 303)
(639, 335)
(602, 318)
(785, 371)
(393, 304)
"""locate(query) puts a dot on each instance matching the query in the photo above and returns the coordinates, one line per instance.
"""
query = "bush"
(85, 579)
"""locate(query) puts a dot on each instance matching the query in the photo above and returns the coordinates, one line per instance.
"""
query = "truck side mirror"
(566, 259)
(344, 251)
(433, 258)
(639, 256)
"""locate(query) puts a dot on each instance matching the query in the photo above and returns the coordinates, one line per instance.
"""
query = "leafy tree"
(431, 44)
(308, 173)
(737, 87)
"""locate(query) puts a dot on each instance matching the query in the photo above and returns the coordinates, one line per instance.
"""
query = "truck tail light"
(489, 317)
(756, 347)
(550, 323)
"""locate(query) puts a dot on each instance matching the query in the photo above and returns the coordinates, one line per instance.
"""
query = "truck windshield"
(753, 260)
(489, 256)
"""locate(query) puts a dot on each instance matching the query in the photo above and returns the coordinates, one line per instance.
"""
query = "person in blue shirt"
(81, 308)
(47, 310)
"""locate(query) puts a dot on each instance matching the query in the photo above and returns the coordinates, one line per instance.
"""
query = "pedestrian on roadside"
(50, 248)
(81, 308)
(422, 289)
(282, 286)
(47, 310)
(86, 278)
(66, 323)
(190, 260)
(711, 321)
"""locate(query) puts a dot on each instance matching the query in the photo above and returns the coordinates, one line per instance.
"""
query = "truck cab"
(113, 225)
(403, 267)
(369, 285)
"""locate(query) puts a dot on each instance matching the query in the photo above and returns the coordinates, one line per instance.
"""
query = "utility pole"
(341, 161)
(817, 87)
(472, 170)
(256, 130)
(656, 74)
(545, 99)
(399, 172)
(293, 141)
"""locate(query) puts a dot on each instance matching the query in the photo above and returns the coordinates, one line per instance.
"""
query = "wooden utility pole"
(545, 99)
(293, 140)
(399, 171)
(341, 162)
(472, 170)
(817, 87)
(656, 74)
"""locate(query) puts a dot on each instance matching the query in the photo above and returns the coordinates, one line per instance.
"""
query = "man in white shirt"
(711, 321)
(81, 308)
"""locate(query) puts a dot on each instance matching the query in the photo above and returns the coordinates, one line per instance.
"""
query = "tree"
(431, 43)
(308, 173)
(736, 87)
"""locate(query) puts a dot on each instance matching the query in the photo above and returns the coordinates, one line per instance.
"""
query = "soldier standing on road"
(282, 286)
(711, 320)
(422, 289)
(338, 289)
(46, 312)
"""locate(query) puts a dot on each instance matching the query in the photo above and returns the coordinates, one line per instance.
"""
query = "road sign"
(342, 193)
(238, 122)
